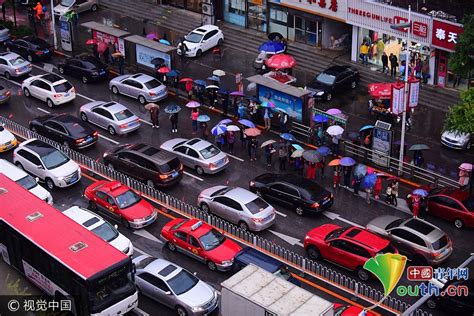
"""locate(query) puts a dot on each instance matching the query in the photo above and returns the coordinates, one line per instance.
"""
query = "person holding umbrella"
(377, 188)
(194, 117)
(282, 155)
(269, 151)
(347, 172)
(188, 86)
(253, 149)
(174, 122)
(252, 108)
(231, 141)
(336, 178)
(154, 115)
(267, 118)
(311, 171)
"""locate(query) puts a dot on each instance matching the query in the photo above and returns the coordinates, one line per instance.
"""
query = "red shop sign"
(445, 35)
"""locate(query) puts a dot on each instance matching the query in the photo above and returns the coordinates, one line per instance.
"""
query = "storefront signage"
(413, 92)
(379, 17)
(293, 106)
(382, 145)
(445, 34)
(146, 54)
(398, 98)
(107, 38)
(332, 8)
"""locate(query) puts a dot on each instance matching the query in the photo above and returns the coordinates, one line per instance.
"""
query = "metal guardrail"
(293, 259)
(302, 130)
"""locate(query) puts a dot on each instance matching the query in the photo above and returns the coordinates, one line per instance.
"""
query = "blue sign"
(293, 106)
(145, 55)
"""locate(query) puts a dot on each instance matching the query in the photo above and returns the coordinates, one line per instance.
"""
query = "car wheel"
(431, 303)
(19, 165)
(111, 130)
(198, 53)
(142, 100)
(199, 170)
(49, 183)
(84, 80)
(243, 226)
(26, 92)
(171, 246)
(61, 70)
(419, 260)
(126, 223)
(220, 42)
(94, 8)
(49, 103)
(150, 183)
(328, 97)
(110, 166)
(8, 49)
(299, 211)
(83, 116)
(205, 208)
(115, 90)
(353, 84)
(181, 311)
(458, 223)
(7, 75)
(30, 58)
(211, 265)
(363, 274)
(92, 206)
(313, 253)
(468, 146)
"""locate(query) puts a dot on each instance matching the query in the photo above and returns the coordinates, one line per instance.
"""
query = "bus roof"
(71, 244)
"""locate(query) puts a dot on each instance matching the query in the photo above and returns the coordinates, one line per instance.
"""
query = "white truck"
(256, 292)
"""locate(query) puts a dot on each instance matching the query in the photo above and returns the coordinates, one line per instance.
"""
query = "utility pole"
(53, 26)
(14, 13)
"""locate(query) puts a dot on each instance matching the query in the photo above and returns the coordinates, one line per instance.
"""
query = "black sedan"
(87, 68)
(31, 48)
(65, 129)
(293, 191)
(332, 80)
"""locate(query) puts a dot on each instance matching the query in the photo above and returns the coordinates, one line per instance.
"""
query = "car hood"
(6, 136)
(379, 224)
(119, 78)
(454, 135)
(322, 231)
(199, 295)
(226, 251)
(61, 9)
(190, 45)
(140, 210)
(169, 144)
(209, 191)
(66, 169)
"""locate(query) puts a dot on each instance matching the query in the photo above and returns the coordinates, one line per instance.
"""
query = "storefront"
(191, 5)
(316, 23)
(248, 13)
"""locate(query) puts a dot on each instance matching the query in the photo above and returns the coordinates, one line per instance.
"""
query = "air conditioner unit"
(207, 9)
(208, 19)
(207, 2)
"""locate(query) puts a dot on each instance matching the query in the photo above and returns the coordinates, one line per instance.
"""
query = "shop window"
(237, 6)
(278, 16)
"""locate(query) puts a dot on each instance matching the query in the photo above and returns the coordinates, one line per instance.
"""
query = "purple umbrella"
(237, 94)
(347, 161)
(151, 36)
(225, 121)
(333, 111)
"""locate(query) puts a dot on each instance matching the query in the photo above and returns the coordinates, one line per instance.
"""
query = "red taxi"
(200, 241)
(120, 203)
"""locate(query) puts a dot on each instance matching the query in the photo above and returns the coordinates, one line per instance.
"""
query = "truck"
(254, 291)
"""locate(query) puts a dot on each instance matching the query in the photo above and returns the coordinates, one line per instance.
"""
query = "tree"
(460, 118)
(462, 60)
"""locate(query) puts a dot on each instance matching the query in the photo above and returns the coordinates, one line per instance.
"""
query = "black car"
(31, 48)
(146, 163)
(65, 129)
(332, 80)
(87, 68)
(462, 303)
(294, 191)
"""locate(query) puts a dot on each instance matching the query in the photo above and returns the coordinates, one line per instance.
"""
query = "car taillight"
(39, 52)
(7, 93)
(211, 165)
(123, 125)
(315, 205)
(436, 254)
(58, 95)
(152, 93)
(164, 176)
(95, 134)
(80, 140)
(257, 220)
(251, 183)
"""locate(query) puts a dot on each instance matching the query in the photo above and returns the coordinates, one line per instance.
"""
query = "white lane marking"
(142, 252)
(109, 139)
(145, 121)
(281, 214)
(291, 240)
(43, 110)
(193, 176)
(145, 234)
(235, 157)
(140, 312)
(85, 97)
(334, 216)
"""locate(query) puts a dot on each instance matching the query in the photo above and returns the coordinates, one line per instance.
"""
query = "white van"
(25, 180)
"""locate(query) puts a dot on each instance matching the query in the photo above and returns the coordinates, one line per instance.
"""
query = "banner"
(110, 39)
(398, 98)
(291, 105)
(144, 56)
(413, 92)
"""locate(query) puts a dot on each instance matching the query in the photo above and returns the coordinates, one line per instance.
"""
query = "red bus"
(61, 257)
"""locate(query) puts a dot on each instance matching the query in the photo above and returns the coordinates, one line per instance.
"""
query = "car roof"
(11, 171)
(38, 146)
(335, 70)
(149, 152)
(9, 55)
(241, 195)
(52, 78)
(84, 217)
(297, 181)
(112, 107)
(141, 77)
(201, 230)
(197, 143)
(250, 255)
(66, 119)
(205, 28)
(114, 188)
(364, 237)
(163, 269)
(422, 228)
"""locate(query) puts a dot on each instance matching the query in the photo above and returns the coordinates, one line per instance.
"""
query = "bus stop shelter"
(107, 34)
(142, 50)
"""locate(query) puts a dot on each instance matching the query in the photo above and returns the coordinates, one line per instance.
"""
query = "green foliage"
(461, 116)
(21, 30)
(462, 60)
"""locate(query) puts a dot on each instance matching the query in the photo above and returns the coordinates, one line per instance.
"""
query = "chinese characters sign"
(332, 8)
(398, 98)
(293, 106)
(445, 34)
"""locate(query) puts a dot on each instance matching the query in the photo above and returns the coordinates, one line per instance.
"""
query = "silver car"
(142, 87)
(66, 6)
(13, 65)
(420, 241)
(197, 154)
(4, 34)
(174, 287)
(111, 116)
(238, 206)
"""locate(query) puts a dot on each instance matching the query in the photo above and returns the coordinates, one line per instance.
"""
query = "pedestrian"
(377, 188)
(290, 159)
(174, 122)
(219, 140)
(204, 130)
(188, 86)
(418, 158)
(388, 193)
(199, 93)
(182, 49)
(4, 12)
(463, 178)
(267, 118)
(299, 166)
(393, 65)
(384, 62)
(356, 185)
(320, 139)
(321, 166)
(364, 52)
(231, 141)
(194, 119)
(311, 171)
(269, 151)
(283, 119)
(241, 110)
(395, 192)
(282, 155)
(416, 204)
(39, 11)
(336, 176)
(252, 108)
(335, 145)
(457, 80)
(368, 191)
(347, 172)
(106, 54)
(253, 149)
(120, 63)
(154, 116)
(425, 72)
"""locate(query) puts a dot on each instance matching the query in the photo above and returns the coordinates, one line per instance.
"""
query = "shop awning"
(105, 29)
(140, 40)
(380, 90)
(275, 85)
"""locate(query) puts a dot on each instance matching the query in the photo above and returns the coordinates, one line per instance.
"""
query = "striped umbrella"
(219, 129)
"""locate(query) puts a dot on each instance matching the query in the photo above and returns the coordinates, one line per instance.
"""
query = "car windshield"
(211, 239)
(395, 223)
(194, 37)
(28, 182)
(106, 232)
(123, 115)
(469, 203)
(210, 152)
(182, 282)
(63, 87)
(54, 159)
(325, 78)
(67, 3)
(152, 84)
(335, 233)
(127, 199)
(172, 165)
(257, 205)
(17, 61)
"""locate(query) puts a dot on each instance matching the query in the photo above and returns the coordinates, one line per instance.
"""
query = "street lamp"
(53, 26)
(405, 100)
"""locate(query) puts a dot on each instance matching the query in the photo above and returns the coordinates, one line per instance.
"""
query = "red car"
(200, 241)
(349, 247)
(120, 203)
(453, 205)
(349, 310)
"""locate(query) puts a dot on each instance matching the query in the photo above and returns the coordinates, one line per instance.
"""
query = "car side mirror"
(116, 226)
(37, 179)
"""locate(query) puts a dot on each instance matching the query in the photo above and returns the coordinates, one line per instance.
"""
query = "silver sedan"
(142, 87)
(174, 287)
(239, 206)
(13, 65)
(111, 116)
(197, 154)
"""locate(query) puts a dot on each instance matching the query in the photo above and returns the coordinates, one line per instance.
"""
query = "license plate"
(74, 179)
(174, 174)
(102, 72)
(132, 124)
(66, 94)
(88, 138)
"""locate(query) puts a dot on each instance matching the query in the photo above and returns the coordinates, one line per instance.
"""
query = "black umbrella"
(157, 61)
(275, 36)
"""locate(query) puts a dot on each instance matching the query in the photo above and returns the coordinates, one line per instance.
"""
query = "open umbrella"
(312, 156)
(252, 132)
(275, 36)
(420, 192)
(466, 166)
(225, 121)
(185, 80)
(233, 128)
(297, 147)
(297, 153)
(237, 94)
(320, 118)
(212, 87)
(281, 61)
(200, 82)
(157, 61)
(91, 41)
(163, 41)
(268, 142)
(164, 70)
(151, 36)
(333, 111)
(368, 181)
(360, 170)
(214, 78)
(193, 104)
(218, 73)
(172, 108)
(418, 147)
(267, 104)
(203, 118)
(272, 48)
(370, 170)
(219, 129)
(324, 151)
(173, 73)
(347, 161)
(246, 123)
(366, 127)
(334, 162)
(335, 130)
(288, 137)
(149, 106)
(102, 47)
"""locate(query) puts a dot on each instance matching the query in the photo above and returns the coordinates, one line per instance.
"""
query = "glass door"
(300, 29)
(311, 32)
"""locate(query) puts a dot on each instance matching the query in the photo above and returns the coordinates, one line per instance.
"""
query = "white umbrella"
(218, 73)
(233, 128)
(268, 142)
(335, 130)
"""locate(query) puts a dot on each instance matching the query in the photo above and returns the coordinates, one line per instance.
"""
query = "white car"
(25, 180)
(201, 39)
(101, 228)
(47, 163)
(65, 6)
(50, 88)
(7, 139)
(456, 140)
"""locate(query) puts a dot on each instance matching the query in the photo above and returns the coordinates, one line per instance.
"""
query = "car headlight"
(320, 93)
(138, 220)
(227, 262)
(60, 178)
(197, 309)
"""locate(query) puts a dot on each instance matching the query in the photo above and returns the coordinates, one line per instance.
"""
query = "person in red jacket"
(39, 11)
(377, 188)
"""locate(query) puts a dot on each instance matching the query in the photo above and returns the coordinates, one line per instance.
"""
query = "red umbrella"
(164, 70)
(185, 80)
(91, 41)
(281, 61)
(380, 90)
(101, 47)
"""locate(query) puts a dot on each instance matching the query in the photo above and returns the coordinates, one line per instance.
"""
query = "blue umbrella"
(163, 41)
(214, 78)
(200, 82)
(366, 127)
(272, 48)
(247, 123)
(420, 192)
(320, 118)
(368, 181)
(172, 108)
(297, 147)
(203, 118)
(219, 129)
(347, 161)
(222, 91)
(225, 121)
(288, 137)
(324, 151)
(360, 170)
(173, 73)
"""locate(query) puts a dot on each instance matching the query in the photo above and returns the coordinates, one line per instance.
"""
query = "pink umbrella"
(333, 111)
(370, 170)
(193, 104)
(164, 70)
(281, 61)
(466, 166)
(151, 36)
(101, 47)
